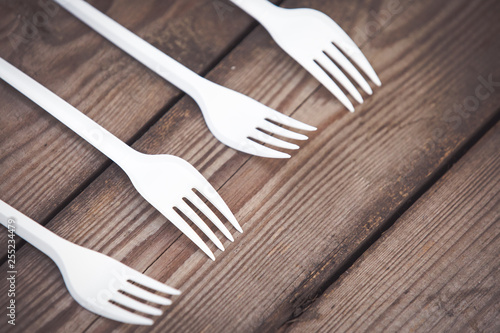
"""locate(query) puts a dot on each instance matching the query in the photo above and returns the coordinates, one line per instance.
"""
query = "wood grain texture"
(436, 270)
(43, 163)
(303, 217)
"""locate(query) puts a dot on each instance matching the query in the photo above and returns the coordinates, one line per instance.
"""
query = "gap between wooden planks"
(436, 270)
(262, 205)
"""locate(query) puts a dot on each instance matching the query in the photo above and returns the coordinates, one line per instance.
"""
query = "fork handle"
(32, 232)
(261, 10)
(89, 130)
(163, 65)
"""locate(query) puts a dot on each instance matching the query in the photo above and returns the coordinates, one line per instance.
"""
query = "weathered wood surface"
(436, 270)
(305, 217)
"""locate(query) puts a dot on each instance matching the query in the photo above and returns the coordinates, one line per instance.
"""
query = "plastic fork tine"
(347, 45)
(179, 222)
(288, 121)
(325, 80)
(144, 294)
(195, 200)
(217, 201)
(331, 68)
(135, 305)
(266, 138)
(195, 218)
(278, 130)
(343, 62)
(151, 283)
(116, 313)
(258, 149)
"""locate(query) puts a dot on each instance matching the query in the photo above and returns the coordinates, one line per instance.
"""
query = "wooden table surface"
(386, 220)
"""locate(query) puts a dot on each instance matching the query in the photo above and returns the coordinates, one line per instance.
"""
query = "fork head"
(169, 184)
(321, 46)
(95, 280)
(244, 124)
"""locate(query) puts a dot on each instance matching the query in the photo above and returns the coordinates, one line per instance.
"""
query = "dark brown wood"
(436, 270)
(303, 218)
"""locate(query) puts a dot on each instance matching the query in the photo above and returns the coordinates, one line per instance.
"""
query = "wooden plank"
(436, 270)
(302, 217)
(42, 163)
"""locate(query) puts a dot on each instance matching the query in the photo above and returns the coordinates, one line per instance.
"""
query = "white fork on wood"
(236, 120)
(313, 39)
(167, 182)
(93, 279)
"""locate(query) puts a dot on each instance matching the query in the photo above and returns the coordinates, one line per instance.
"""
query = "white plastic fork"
(236, 120)
(92, 278)
(163, 180)
(313, 39)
